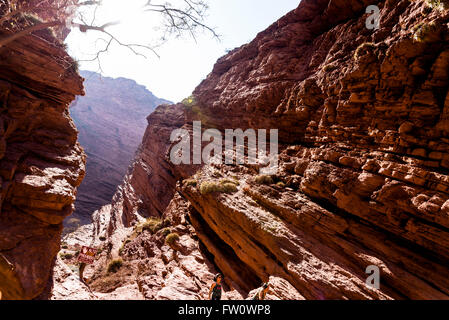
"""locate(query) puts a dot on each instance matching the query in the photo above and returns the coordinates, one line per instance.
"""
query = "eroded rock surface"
(41, 162)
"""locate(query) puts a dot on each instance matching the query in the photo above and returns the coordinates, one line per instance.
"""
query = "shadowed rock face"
(363, 122)
(111, 119)
(41, 162)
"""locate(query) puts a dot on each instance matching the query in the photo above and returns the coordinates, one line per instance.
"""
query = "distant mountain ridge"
(111, 120)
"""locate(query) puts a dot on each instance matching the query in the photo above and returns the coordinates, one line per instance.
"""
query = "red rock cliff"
(363, 180)
(41, 162)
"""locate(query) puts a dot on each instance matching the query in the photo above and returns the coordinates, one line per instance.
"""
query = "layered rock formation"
(111, 119)
(363, 175)
(41, 162)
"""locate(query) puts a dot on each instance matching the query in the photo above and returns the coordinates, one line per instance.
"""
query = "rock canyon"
(363, 179)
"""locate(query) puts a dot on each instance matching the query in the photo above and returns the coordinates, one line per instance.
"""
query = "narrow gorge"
(111, 120)
(363, 179)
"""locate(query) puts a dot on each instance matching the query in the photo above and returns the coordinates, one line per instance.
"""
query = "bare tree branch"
(8, 39)
(102, 29)
(61, 14)
(183, 19)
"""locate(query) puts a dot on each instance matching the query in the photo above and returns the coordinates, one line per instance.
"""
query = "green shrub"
(171, 238)
(66, 256)
(229, 188)
(210, 187)
(264, 179)
(166, 231)
(329, 67)
(74, 66)
(425, 32)
(363, 49)
(153, 225)
(438, 4)
(216, 174)
(232, 181)
(280, 184)
(223, 186)
(115, 265)
(166, 222)
(189, 102)
(190, 183)
(64, 46)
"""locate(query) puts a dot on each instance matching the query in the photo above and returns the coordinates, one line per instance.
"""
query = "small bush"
(66, 256)
(232, 181)
(166, 223)
(171, 238)
(210, 187)
(189, 102)
(224, 186)
(229, 188)
(64, 46)
(216, 174)
(329, 67)
(165, 232)
(427, 10)
(264, 179)
(115, 265)
(102, 238)
(425, 32)
(153, 225)
(280, 184)
(75, 66)
(363, 49)
(190, 183)
(438, 4)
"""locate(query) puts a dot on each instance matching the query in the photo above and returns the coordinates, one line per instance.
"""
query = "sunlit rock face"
(363, 174)
(111, 119)
(41, 162)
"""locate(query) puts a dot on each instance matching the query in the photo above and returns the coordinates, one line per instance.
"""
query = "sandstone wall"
(41, 162)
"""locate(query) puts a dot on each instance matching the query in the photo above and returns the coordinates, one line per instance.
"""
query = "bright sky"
(183, 64)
